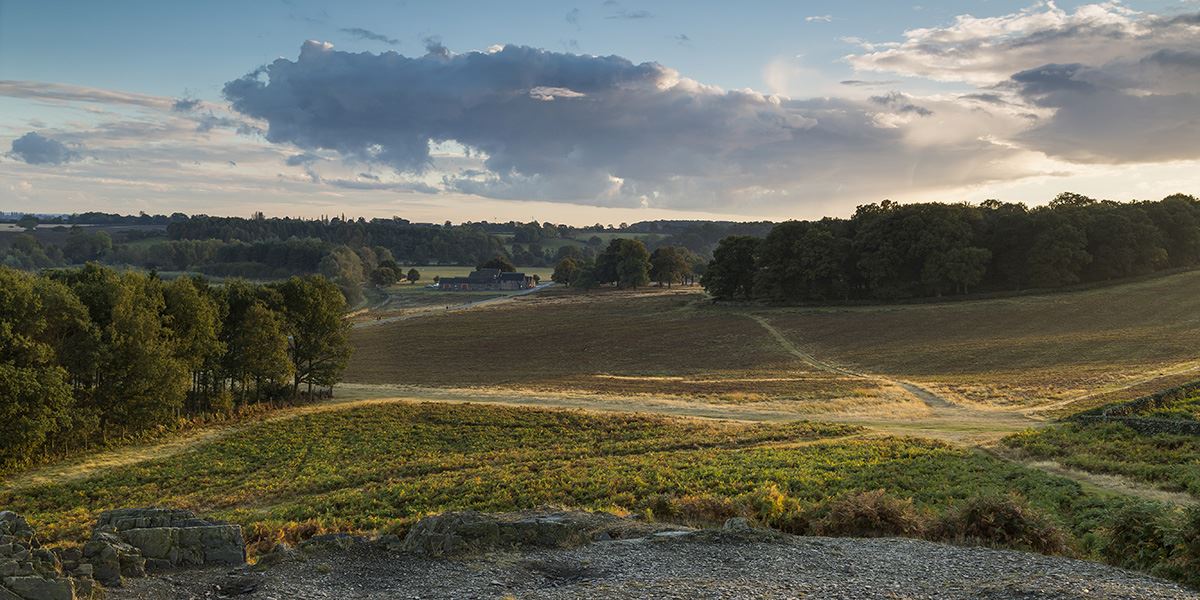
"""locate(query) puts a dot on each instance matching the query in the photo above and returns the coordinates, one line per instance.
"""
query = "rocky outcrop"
(469, 532)
(124, 543)
(130, 541)
(30, 572)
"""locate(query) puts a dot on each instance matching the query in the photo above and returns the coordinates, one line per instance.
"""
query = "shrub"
(1184, 538)
(871, 514)
(772, 507)
(1006, 521)
(1135, 537)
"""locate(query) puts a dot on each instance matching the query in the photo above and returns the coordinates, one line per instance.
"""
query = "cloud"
(987, 50)
(61, 92)
(35, 149)
(631, 15)
(683, 39)
(819, 19)
(367, 34)
(185, 105)
(297, 160)
(1101, 84)
(573, 17)
(598, 130)
(901, 103)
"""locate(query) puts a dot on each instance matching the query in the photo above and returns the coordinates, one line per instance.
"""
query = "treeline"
(889, 251)
(92, 353)
(626, 263)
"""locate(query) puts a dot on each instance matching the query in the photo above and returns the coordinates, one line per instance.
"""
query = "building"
(486, 280)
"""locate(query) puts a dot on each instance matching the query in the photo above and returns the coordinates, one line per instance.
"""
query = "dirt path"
(932, 399)
(948, 415)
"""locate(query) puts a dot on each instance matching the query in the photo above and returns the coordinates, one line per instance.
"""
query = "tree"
(192, 317)
(262, 349)
(344, 267)
(669, 265)
(803, 261)
(962, 267)
(498, 262)
(413, 276)
(27, 222)
(141, 381)
(1058, 255)
(384, 276)
(565, 272)
(34, 394)
(730, 274)
(318, 336)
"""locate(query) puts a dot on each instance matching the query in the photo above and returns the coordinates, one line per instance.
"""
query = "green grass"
(1166, 461)
(383, 466)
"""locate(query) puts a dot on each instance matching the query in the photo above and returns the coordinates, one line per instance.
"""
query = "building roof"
(484, 275)
(512, 277)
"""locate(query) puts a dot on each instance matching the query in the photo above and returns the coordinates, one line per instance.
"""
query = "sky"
(582, 112)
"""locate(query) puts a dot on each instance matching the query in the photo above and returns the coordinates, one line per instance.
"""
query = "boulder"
(31, 572)
(36, 587)
(111, 558)
(170, 538)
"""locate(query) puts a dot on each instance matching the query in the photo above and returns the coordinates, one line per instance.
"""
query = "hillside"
(1056, 352)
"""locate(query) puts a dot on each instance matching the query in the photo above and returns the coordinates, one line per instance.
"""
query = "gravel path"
(685, 566)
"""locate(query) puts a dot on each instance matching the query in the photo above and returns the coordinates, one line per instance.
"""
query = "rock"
(237, 583)
(390, 542)
(168, 538)
(35, 587)
(280, 553)
(110, 558)
(740, 524)
(466, 532)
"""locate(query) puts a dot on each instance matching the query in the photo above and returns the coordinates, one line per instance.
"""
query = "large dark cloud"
(567, 127)
(1145, 109)
(35, 149)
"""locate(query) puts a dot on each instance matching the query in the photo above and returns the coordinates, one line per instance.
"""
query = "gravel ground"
(677, 565)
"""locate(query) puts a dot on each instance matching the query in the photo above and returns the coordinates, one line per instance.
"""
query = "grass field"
(1067, 351)
(381, 467)
(1167, 461)
(616, 343)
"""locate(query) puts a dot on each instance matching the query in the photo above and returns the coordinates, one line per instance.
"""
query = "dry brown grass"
(1066, 351)
(633, 344)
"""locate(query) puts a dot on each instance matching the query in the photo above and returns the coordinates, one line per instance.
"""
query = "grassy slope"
(1020, 351)
(381, 467)
(609, 342)
(1167, 461)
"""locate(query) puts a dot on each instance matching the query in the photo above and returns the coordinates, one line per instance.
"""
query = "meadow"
(1060, 353)
(628, 344)
(1167, 461)
(381, 467)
